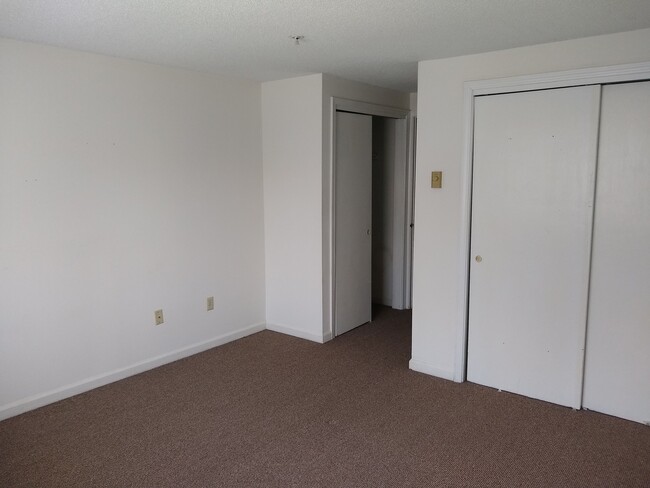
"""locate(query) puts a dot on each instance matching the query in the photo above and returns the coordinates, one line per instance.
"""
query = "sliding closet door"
(353, 207)
(533, 186)
(617, 369)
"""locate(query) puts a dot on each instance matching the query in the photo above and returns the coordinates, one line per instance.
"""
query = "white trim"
(410, 211)
(577, 77)
(400, 213)
(42, 399)
(355, 106)
(301, 334)
(332, 211)
(460, 369)
(426, 368)
(345, 105)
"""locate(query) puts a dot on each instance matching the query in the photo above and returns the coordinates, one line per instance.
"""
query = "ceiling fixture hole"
(297, 39)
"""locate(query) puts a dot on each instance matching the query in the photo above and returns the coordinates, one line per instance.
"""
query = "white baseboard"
(426, 368)
(283, 329)
(42, 399)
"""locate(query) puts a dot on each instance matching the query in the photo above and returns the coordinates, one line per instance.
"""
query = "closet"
(559, 295)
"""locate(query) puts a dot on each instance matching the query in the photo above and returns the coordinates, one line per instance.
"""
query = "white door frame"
(561, 79)
(401, 207)
(410, 218)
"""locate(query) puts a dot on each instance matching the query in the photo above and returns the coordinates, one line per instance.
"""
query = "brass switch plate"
(436, 179)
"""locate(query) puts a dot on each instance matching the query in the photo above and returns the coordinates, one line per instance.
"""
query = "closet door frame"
(562, 79)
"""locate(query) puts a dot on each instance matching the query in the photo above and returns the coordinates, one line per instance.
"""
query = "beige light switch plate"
(436, 179)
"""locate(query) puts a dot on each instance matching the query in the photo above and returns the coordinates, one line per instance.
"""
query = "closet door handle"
(478, 258)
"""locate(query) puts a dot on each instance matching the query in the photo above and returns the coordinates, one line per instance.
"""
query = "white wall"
(351, 90)
(124, 188)
(436, 313)
(413, 102)
(291, 128)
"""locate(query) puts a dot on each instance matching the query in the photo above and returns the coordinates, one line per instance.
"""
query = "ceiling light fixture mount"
(297, 39)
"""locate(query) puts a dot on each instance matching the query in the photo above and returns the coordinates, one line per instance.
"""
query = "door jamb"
(561, 79)
(346, 105)
(410, 217)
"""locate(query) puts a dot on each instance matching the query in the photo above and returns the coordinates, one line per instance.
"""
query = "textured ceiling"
(375, 41)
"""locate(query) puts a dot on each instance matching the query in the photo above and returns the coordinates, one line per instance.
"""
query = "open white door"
(353, 219)
(617, 366)
(533, 190)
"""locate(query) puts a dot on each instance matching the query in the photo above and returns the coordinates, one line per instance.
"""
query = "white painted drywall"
(440, 147)
(291, 134)
(124, 188)
(351, 90)
(413, 103)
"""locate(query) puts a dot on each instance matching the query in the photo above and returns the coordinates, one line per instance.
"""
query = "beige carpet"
(275, 411)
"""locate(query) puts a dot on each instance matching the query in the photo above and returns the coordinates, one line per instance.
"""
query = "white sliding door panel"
(532, 207)
(353, 214)
(617, 363)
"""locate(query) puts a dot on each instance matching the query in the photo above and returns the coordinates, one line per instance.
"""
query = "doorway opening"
(383, 212)
(371, 212)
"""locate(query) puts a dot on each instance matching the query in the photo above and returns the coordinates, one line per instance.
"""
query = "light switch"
(436, 179)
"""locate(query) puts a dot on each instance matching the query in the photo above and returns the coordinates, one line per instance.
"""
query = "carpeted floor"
(274, 411)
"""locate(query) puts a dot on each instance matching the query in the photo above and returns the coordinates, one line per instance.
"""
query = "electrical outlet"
(210, 303)
(159, 317)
